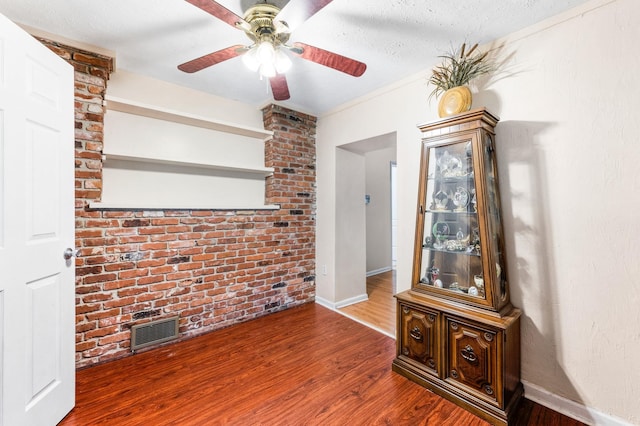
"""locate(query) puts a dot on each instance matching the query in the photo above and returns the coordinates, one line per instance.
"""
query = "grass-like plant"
(458, 68)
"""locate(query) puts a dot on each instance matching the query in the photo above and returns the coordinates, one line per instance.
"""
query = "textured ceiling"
(395, 38)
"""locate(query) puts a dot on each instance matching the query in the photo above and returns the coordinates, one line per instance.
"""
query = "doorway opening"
(372, 258)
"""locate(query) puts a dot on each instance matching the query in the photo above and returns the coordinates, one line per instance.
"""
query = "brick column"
(292, 154)
(91, 74)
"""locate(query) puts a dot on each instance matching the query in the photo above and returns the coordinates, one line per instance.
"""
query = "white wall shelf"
(155, 158)
(180, 206)
(259, 171)
(132, 107)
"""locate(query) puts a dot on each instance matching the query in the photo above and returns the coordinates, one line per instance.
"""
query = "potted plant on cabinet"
(451, 78)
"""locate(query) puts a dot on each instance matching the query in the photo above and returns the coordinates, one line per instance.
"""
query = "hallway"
(379, 312)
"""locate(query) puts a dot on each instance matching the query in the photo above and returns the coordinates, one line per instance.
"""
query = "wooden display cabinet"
(457, 332)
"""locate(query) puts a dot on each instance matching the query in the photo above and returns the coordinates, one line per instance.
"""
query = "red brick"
(150, 280)
(119, 266)
(149, 296)
(153, 246)
(161, 270)
(114, 285)
(85, 345)
(115, 337)
(178, 276)
(180, 244)
(165, 221)
(90, 279)
(162, 286)
(133, 273)
(189, 266)
(180, 228)
(132, 291)
(100, 332)
(83, 309)
(123, 301)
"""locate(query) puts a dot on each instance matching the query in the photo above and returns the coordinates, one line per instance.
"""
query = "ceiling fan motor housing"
(262, 26)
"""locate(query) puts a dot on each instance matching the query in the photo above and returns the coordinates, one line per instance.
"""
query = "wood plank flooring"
(304, 366)
(380, 310)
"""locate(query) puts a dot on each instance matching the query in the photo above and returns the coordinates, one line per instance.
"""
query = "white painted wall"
(378, 211)
(396, 110)
(350, 228)
(568, 155)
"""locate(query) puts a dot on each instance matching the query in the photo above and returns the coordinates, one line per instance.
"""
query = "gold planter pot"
(454, 101)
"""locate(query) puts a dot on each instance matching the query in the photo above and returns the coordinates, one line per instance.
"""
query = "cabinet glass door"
(493, 219)
(451, 252)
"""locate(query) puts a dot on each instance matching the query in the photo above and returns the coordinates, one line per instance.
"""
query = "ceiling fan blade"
(219, 11)
(212, 58)
(297, 11)
(279, 87)
(329, 59)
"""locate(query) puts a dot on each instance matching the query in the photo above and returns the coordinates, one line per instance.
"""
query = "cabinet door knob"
(468, 354)
(416, 334)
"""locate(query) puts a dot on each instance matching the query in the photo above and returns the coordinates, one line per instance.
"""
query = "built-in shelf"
(260, 171)
(156, 158)
(132, 107)
(181, 206)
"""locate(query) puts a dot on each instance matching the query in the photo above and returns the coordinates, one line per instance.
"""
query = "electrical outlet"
(324, 269)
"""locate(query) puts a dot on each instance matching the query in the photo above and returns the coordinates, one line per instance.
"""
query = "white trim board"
(115, 103)
(324, 302)
(570, 408)
(352, 300)
(379, 271)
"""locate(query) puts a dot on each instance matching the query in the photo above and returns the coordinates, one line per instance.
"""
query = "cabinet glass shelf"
(454, 252)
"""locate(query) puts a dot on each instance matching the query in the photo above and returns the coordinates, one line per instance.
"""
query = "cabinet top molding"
(114, 103)
(460, 122)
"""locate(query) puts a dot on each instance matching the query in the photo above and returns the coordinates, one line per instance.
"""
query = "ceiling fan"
(269, 29)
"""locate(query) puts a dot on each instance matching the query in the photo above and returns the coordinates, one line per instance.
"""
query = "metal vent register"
(154, 332)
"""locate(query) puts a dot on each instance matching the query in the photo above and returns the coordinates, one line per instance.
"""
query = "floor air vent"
(154, 332)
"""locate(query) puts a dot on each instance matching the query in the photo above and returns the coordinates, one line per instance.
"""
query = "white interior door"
(36, 225)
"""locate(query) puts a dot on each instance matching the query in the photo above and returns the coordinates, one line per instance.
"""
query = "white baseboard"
(352, 300)
(379, 271)
(324, 302)
(570, 408)
(342, 303)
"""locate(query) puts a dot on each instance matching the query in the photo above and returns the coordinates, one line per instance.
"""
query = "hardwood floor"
(380, 310)
(304, 366)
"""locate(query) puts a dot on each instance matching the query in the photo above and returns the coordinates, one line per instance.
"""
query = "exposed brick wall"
(91, 75)
(212, 268)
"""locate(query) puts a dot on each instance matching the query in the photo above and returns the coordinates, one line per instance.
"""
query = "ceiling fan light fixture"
(266, 52)
(267, 59)
(250, 59)
(268, 70)
(282, 62)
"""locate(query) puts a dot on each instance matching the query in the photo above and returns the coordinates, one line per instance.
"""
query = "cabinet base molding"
(481, 409)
